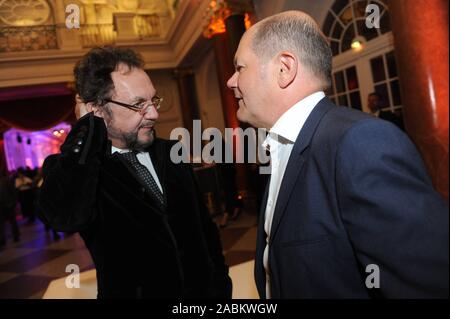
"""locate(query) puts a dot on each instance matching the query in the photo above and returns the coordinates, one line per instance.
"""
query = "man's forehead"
(130, 74)
(125, 70)
(247, 37)
(122, 68)
(134, 83)
(244, 45)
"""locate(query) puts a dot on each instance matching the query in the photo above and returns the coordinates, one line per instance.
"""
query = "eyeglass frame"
(155, 102)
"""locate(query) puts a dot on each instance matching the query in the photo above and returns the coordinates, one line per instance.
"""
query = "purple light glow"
(24, 148)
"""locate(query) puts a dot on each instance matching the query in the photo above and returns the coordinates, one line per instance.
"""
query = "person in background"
(375, 103)
(233, 205)
(24, 186)
(8, 201)
(37, 183)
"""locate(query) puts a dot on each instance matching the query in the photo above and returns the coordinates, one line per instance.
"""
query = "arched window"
(346, 21)
(369, 68)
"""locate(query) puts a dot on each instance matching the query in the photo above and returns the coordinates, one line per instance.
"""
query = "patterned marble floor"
(27, 267)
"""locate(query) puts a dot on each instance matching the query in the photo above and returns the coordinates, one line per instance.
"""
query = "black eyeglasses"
(140, 107)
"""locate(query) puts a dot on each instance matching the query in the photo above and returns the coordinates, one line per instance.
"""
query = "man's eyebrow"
(138, 99)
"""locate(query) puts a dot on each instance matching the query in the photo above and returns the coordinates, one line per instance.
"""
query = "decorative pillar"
(235, 28)
(225, 70)
(226, 23)
(420, 30)
(188, 97)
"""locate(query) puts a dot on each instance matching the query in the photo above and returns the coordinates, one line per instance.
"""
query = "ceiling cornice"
(52, 66)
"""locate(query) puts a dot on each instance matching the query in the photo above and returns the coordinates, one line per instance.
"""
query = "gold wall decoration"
(40, 37)
(99, 27)
(26, 25)
(21, 13)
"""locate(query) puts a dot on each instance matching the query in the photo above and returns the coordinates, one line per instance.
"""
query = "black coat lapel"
(296, 161)
(117, 166)
(157, 156)
(260, 273)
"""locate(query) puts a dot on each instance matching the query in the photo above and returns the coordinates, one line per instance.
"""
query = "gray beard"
(130, 140)
(132, 143)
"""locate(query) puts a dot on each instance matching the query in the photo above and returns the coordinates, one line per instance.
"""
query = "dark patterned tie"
(144, 174)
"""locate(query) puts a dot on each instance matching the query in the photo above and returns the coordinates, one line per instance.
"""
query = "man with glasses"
(141, 216)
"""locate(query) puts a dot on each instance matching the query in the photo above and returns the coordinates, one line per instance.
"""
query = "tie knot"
(130, 156)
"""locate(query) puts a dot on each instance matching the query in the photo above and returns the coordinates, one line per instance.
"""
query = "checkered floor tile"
(28, 266)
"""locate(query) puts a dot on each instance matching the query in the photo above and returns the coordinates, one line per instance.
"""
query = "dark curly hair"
(93, 72)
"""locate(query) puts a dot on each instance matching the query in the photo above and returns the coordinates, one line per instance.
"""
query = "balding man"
(349, 211)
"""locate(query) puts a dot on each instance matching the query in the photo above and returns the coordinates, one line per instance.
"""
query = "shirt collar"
(119, 150)
(288, 126)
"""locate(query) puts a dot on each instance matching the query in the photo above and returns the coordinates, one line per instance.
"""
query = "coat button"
(79, 141)
(76, 149)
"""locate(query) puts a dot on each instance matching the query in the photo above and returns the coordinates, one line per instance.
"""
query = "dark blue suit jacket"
(355, 193)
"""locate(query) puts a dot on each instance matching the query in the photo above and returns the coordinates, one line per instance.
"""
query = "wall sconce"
(357, 44)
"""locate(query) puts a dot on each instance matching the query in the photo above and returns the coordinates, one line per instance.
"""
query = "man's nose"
(151, 113)
(231, 83)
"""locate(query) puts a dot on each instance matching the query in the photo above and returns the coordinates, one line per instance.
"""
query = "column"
(188, 97)
(420, 30)
(226, 26)
(225, 70)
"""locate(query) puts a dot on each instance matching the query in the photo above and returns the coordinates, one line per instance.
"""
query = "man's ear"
(91, 107)
(288, 67)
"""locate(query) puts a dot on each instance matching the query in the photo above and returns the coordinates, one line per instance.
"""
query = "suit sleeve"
(393, 216)
(67, 199)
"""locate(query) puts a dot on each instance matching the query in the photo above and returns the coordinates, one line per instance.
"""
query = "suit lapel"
(296, 161)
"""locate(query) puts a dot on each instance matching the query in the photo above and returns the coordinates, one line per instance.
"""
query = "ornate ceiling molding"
(52, 66)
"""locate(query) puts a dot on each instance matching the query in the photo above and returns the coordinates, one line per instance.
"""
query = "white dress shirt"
(280, 141)
(144, 159)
